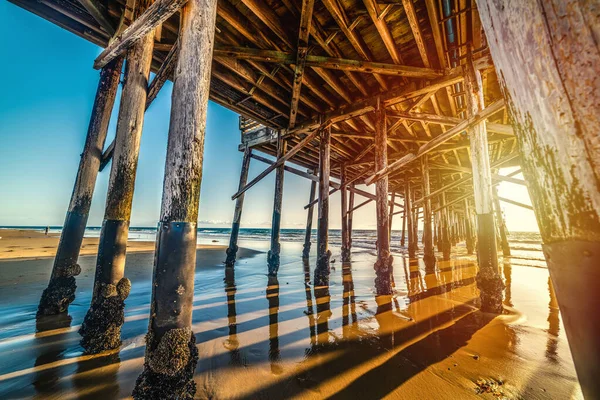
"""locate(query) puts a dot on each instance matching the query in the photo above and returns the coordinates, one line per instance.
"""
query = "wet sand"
(283, 338)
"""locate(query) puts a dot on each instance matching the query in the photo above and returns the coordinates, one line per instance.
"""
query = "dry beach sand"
(262, 338)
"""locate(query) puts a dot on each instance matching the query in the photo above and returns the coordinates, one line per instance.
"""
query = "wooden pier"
(426, 100)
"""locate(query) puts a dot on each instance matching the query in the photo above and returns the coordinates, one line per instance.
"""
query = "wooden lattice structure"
(411, 96)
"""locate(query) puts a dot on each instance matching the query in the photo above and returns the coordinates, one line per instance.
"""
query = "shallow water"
(284, 338)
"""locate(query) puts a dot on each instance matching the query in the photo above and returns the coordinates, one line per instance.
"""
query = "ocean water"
(526, 247)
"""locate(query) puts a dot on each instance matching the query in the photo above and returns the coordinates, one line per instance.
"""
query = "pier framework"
(429, 102)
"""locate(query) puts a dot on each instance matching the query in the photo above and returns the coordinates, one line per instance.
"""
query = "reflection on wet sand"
(426, 340)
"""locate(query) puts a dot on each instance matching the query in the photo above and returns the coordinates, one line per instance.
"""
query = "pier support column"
(273, 254)
(403, 234)
(350, 216)
(309, 219)
(501, 224)
(61, 288)
(412, 248)
(237, 213)
(323, 254)
(101, 327)
(468, 229)
(344, 199)
(488, 278)
(171, 353)
(391, 214)
(428, 252)
(383, 265)
(445, 234)
(552, 89)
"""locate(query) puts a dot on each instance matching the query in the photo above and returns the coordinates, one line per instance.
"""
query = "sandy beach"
(263, 338)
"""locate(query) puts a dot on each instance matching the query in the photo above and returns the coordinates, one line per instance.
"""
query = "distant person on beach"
(47, 229)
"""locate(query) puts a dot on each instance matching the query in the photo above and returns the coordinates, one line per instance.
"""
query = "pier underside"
(424, 100)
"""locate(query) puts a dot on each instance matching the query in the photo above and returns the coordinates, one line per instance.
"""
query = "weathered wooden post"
(403, 234)
(323, 253)
(415, 223)
(344, 198)
(556, 117)
(171, 353)
(445, 233)
(383, 265)
(428, 252)
(412, 248)
(488, 277)
(309, 219)
(501, 224)
(61, 288)
(391, 214)
(439, 232)
(453, 230)
(101, 327)
(468, 228)
(237, 213)
(274, 252)
(350, 215)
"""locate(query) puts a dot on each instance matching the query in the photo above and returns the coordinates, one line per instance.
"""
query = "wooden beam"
(431, 145)
(154, 15)
(301, 53)
(470, 171)
(459, 182)
(360, 205)
(99, 12)
(162, 75)
(355, 40)
(268, 16)
(342, 64)
(413, 21)
(384, 31)
(433, 118)
(279, 162)
(432, 12)
(390, 98)
(516, 203)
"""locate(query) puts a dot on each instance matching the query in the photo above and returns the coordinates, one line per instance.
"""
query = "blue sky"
(45, 104)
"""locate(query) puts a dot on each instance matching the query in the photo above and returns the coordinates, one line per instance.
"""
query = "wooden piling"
(428, 252)
(403, 234)
(323, 253)
(61, 289)
(488, 277)
(445, 231)
(391, 214)
(383, 265)
(501, 223)
(237, 213)
(468, 229)
(552, 91)
(273, 254)
(344, 199)
(101, 327)
(412, 250)
(309, 219)
(350, 215)
(171, 353)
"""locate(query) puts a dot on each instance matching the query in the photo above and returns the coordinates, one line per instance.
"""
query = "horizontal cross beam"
(438, 140)
(154, 15)
(278, 163)
(343, 64)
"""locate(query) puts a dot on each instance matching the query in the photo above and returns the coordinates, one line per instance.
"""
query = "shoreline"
(264, 338)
